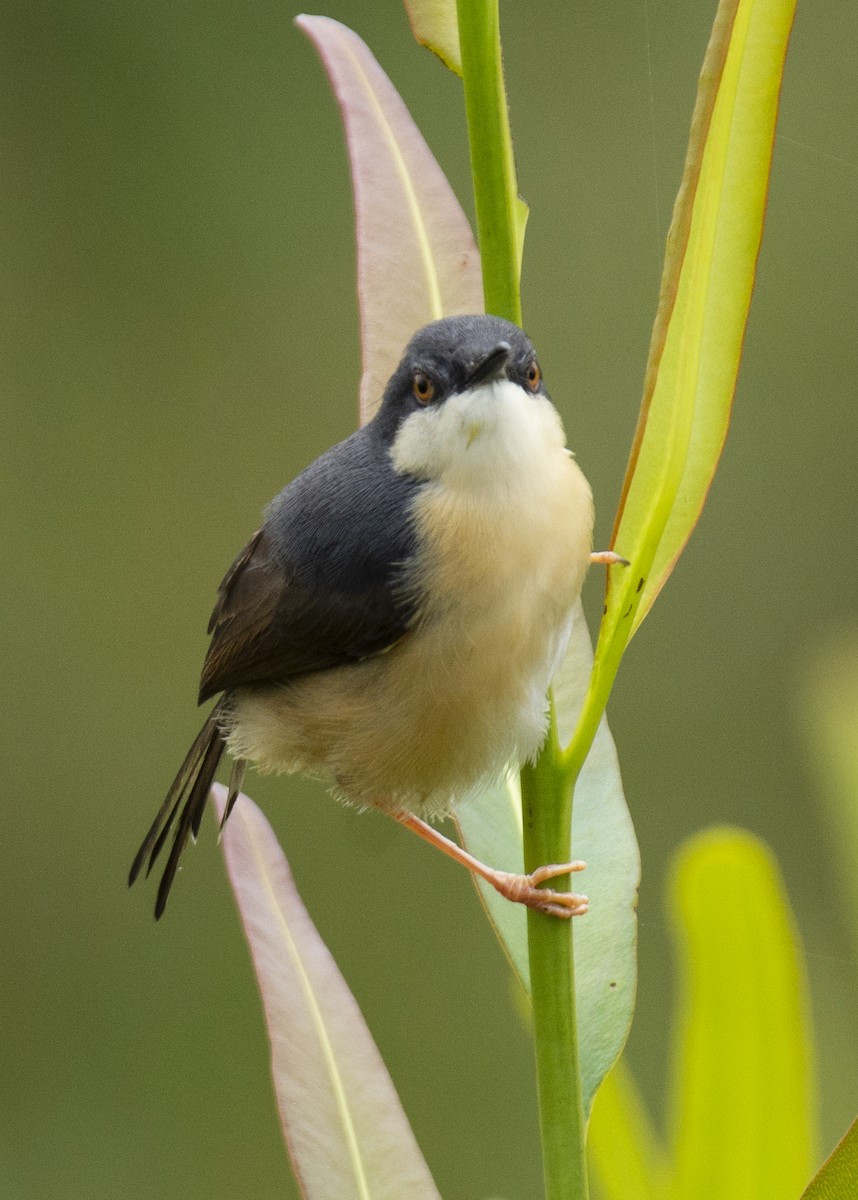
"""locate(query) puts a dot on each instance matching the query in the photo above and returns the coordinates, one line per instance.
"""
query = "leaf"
(828, 694)
(345, 1129)
(435, 25)
(743, 1095)
(605, 939)
(416, 256)
(837, 1178)
(622, 1146)
(705, 296)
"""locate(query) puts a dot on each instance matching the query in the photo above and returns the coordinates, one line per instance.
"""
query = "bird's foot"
(609, 558)
(525, 889)
(521, 889)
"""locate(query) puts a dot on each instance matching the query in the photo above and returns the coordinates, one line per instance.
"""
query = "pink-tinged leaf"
(344, 1126)
(410, 225)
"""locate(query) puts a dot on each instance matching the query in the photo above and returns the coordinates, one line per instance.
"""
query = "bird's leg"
(609, 558)
(521, 889)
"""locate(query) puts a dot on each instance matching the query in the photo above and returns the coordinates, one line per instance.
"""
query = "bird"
(393, 626)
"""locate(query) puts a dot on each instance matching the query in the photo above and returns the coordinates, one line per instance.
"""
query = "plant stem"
(547, 785)
(500, 213)
(547, 811)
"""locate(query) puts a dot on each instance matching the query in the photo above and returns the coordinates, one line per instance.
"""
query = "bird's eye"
(423, 387)
(533, 376)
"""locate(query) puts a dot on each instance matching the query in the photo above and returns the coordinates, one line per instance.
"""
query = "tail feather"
(191, 816)
(236, 783)
(166, 827)
(193, 781)
(172, 799)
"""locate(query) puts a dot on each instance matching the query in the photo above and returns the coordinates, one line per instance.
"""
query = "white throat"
(479, 436)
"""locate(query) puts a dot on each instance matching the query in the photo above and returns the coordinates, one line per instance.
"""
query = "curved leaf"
(605, 939)
(828, 695)
(705, 296)
(743, 1087)
(837, 1179)
(410, 225)
(435, 25)
(344, 1126)
(622, 1146)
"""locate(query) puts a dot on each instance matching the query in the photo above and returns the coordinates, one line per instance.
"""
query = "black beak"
(491, 368)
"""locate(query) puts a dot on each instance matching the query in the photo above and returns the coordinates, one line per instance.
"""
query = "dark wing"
(317, 585)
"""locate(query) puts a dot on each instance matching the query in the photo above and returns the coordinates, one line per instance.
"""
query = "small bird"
(394, 625)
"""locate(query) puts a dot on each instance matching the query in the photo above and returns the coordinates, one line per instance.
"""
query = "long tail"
(191, 785)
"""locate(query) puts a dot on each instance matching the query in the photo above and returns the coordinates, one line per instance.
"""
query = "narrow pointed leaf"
(622, 1146)
(605, 939)
(705, 297)
(829, 698)
(837, 1179)
(344, 1126)
(435, 25)
(743, 1091)
(416, 256)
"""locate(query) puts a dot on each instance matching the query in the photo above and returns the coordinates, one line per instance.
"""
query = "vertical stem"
(547, 785)
(499, 211)
(547, 811)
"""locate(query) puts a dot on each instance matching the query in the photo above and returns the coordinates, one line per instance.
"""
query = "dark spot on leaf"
(613, 983)
(626, 613)
(640, 583)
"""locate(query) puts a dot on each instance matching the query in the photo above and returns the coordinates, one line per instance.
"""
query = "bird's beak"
(491, 368)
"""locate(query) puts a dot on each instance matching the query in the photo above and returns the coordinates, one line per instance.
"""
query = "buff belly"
(504, 550)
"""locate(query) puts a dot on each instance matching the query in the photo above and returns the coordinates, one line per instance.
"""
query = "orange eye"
(423, 387)
(534, 376)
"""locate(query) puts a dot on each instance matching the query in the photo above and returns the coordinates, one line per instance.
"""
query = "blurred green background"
(179, 338)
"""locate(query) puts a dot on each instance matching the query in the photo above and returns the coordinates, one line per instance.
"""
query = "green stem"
(547, 785)
(609, 652)
(500, 221)
(547, 811)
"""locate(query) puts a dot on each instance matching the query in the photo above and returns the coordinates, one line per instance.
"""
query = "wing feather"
(316, 586)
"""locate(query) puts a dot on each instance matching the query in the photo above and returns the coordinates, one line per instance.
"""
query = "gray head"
(451, 356)
(467, 403)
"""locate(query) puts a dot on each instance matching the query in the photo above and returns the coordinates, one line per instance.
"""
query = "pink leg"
(609, 558)
(522, 889)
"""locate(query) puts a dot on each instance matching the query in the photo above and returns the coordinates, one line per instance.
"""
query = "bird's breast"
(503, 534)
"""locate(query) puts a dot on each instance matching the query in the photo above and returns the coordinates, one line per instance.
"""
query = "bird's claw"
(525, 889)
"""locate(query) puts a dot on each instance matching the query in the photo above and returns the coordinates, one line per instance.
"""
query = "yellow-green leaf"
(837, 1179)
(705, 296)
(435, 25)
(626, 1156)
(829, 697)
(743, 1095)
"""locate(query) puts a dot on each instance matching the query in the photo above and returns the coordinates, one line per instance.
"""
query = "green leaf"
(410, 226)
(837, 1179)
(626, 1156)
(829, 698)
(697, 338)
(705, 296)
(435, 25)
(344, 1126)
(605, 938)
(743, 1096)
